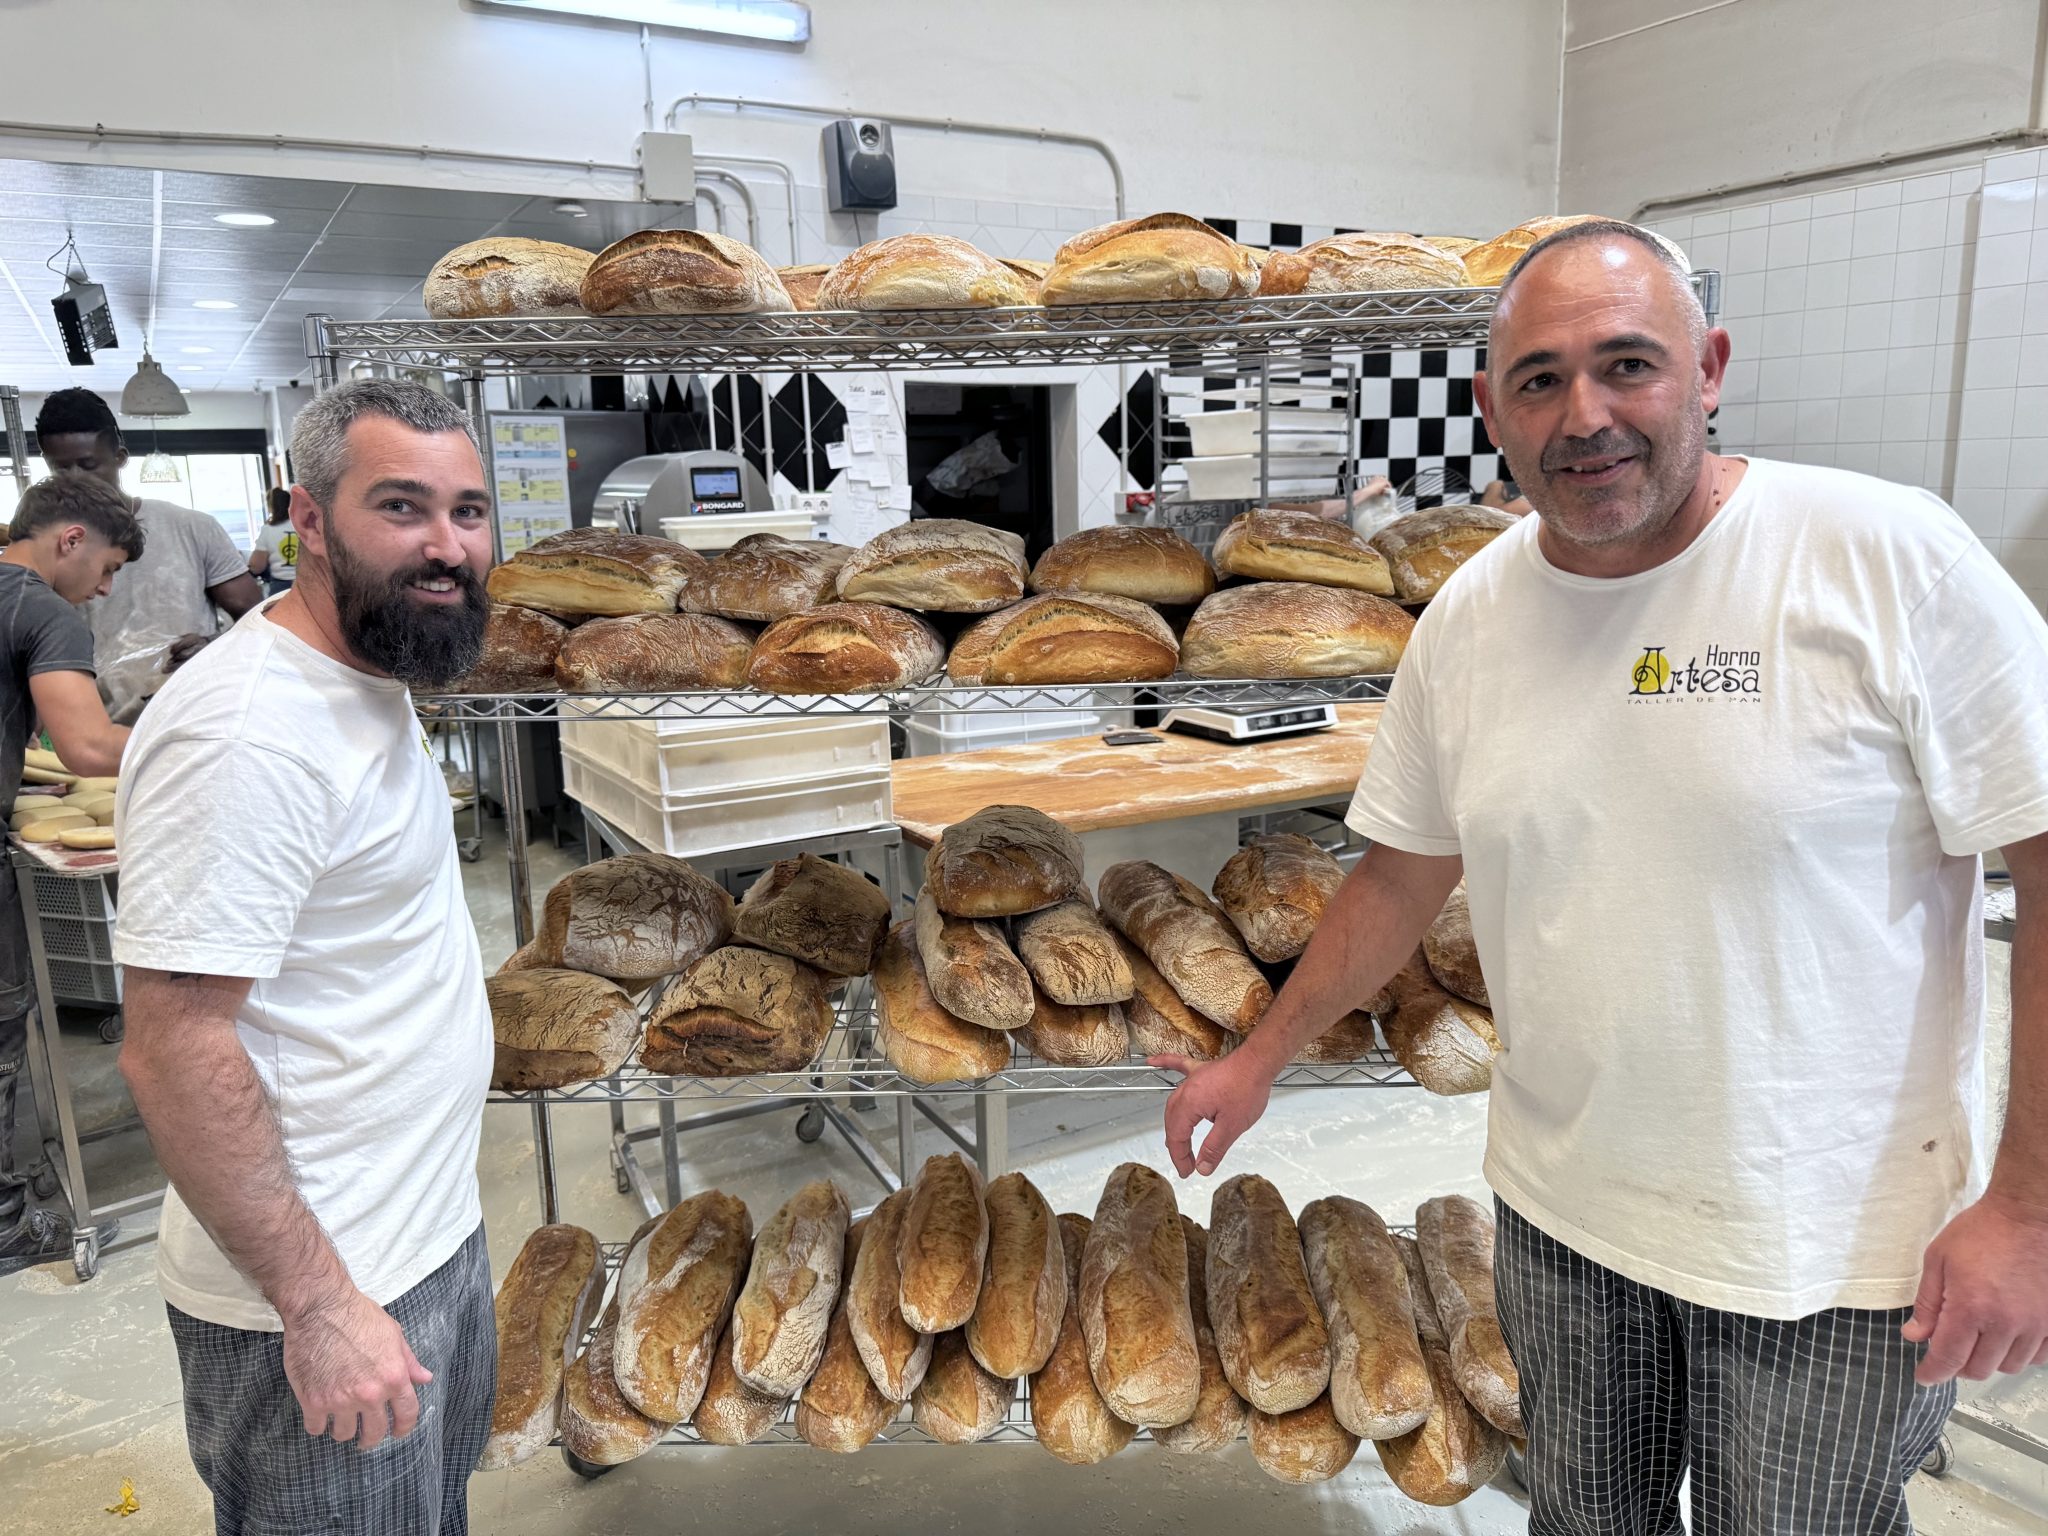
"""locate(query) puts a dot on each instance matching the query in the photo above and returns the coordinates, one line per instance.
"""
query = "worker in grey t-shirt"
(162, 606)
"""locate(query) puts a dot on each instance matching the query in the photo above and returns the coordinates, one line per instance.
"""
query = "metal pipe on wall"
(717, 207)
(746, 199)
(2010, 138)
(788, 177)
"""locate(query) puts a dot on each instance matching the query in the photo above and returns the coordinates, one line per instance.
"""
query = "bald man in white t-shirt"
(1716, 745)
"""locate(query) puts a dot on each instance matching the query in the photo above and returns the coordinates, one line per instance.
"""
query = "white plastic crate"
(71, 895)
(668, 755)
(78, 938)
(83, 981)
(716, 819)
(928, 732)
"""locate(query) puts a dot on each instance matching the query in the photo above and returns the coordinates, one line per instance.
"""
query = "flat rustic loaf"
(676, 1286)
(654, 653)
(1379, 1380)
(971, 970)
(1305, 1446)
(1134, 1306)
(1272, 545)
(681, 272)
(1076, 1035)
(1446, 1043)
(731, 1412)
(1452, 954)
(1002, 861)
(921, 272)
(598, 572)
(1161, 1023)
(1269, 1330)
(598, 1424)
(520, 647)
(845, 648)
(765, 577)
(1455, 1237)
(895, 1354)
(544, 1308)
(1073, 954)
(502, 275)
(635, 918)
(959, 1402)
(739, 1011)
(841, 1409)
(939, 565)
(1066, 637)
(1191, 942)
(1220, 1414)
(827, 915)
(1149, 565)
(1023, 1298)
(943, 1245)
(1360, 263)
(1425, 548)
(782, 1313)
(920, 1039)
(1068, 1414)
(1279, 629)
(556, 1027)
(1163, 256)
(1276, 889)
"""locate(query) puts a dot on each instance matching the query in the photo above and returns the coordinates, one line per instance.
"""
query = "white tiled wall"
(1898, 328)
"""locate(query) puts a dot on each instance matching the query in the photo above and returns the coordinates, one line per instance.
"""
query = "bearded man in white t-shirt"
(308, 1039)
(1716, 745)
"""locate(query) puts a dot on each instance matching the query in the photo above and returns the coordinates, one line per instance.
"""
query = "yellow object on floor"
(127, 1505)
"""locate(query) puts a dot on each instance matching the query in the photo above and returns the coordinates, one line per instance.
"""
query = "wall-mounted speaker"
(860, 165)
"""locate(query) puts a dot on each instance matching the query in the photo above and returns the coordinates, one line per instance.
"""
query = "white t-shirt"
(1720, 823)
(158, 599)
(281, 541)
(367, 1021)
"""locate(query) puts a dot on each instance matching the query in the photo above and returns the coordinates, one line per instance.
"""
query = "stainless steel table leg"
(991, 1134)
(671, 1158)
(906, 1138)
(45, 1040)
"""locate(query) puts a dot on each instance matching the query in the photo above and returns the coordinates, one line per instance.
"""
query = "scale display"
(1250, 722)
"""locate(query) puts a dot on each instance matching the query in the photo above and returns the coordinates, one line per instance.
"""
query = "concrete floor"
(93, 1387)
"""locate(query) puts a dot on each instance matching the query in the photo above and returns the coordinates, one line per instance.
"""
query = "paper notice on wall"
(897, 498)
(838, 455)
(860, 434)
(530, 479)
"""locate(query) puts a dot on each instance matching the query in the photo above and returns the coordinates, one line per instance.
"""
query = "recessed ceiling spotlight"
(213, 304)
(244, 220)
(570, 209)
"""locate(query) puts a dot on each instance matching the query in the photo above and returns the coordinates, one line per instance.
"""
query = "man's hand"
(1229, 1094)
(347, 1360)
(183, 649)
(1983, 1302)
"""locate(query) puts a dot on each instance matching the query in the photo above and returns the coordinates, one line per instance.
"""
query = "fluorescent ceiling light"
(213, 304)
(244, 220)
(195, 351)
(775, 21)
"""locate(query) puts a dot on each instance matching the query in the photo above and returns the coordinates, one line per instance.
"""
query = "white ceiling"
(354, 250)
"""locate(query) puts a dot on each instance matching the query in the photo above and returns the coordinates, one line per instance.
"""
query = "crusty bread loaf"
(1073, 954)
(1425, 548)
(943, 1245)
(765, 577)
(1276, 889)
(1305, 1446)
(939, 565)
(1487, 264)
(676, 1285)
(782, 1312)
(1191, 942)
(1003, 861)
(1068, 1415)
(682, 272)
(1023, 1298)
(635, 918)
(1454, 1452)
(1278, 629)
(544, 1308)
(801, 283)
(1149, 565)
(1134, 1304)
(1455, 1237)
(1269, 1330)
(971, 969)
(921, 272)
(525, 958)
(520, 647)
(1446, 1043)
(736, 1012)
(1161, 1023)
(1163, 256)
(959, 1402)
(555, 1027)
(1077, 1035)
(1454, 245)
(1360, 263)
(1066, 637)
(841, 1409)
(503, 275)
(895, 1354)
(1351, 1038)
(1220, 1414)
(598, 1424)
(1379, 1381)
(845, 648)
(920, 1039)
(827, 915)
(595, 572)
(654, 653)
(1031, 271)
(731, 1412)
(1452, 954)
(1267, 544)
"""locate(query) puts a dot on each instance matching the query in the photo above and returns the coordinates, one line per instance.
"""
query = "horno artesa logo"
(1716, 675)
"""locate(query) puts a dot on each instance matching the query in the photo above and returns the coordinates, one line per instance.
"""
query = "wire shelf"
(745, 704)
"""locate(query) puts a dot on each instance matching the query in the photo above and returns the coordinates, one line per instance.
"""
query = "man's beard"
(421, 645)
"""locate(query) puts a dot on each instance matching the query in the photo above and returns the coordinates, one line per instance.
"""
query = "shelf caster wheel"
(469, 850)
(810, 1125)
(44, 1182)
(620, 1179)
(85, 1253)
(113, 1029)
(1941, 1460)
(587, 1470)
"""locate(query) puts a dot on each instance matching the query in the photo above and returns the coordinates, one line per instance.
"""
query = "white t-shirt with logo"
(1720, 824)
(367, 1021)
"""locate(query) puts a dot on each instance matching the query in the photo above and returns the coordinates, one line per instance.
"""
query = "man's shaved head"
(1609, 229)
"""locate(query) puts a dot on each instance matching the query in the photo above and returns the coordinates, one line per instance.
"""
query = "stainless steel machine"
(705, 483)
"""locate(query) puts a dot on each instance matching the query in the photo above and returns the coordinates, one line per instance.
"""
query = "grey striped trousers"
(1804, 1428)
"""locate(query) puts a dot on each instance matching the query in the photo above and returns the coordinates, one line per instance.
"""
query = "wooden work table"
(1090, 787)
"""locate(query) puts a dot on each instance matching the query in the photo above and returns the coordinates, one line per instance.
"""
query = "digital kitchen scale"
(1250, 722)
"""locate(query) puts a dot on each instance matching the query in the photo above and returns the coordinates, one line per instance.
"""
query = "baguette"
(598, 1424)
(1088, 1035)
(1452, 954)
(1068, 1414)
(1446, 1043)
(676, 1287)
(1455, 1236)
(1023, 1298)
(1003, 861)
(1305, 1446)
(895, 1354)
(1275, 890)
(1220, 1414)
(943, 1245)
(840, 1408)
(921, 1040)
(1269, 1329)
(1379, 1380)
(1134, 1306)
(1161, 1024)
(1193, 944)
(544, 1308)
(731, 1412)
(780, 1318)
(974, 975)
(1073, 955)
(959, 1402)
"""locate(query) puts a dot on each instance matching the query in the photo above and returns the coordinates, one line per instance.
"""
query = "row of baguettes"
(1162, 257)
(1310, 1336)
